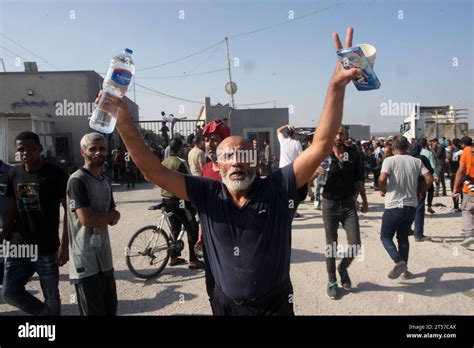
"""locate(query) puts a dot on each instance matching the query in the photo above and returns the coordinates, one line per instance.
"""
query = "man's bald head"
(234, 142)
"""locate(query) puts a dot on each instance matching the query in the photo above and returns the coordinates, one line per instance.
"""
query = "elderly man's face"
(234, 158)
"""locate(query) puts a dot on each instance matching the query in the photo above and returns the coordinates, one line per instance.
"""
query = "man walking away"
(401, 171)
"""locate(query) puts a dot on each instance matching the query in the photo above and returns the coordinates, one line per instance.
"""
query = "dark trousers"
(186, 218)
(344, 212)
(376, 176)
(18, 272)
(397, 220)
(442, 182)
(420, 217)
(278, 302)
(430, 196)
(130, 177)
(97, 295)
(456, 200)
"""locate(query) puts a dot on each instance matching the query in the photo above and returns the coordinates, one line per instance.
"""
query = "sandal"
(196, 265)
(177, 261)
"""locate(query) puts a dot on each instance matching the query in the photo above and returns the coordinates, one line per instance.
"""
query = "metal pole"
(3, 64)
(230, 75)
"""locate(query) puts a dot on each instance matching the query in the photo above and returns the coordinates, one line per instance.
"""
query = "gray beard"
(238, 185)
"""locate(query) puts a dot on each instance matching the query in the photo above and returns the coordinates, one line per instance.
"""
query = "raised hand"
(341, 77)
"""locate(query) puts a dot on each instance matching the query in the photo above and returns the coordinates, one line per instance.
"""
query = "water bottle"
(322, 178)
(116, 82)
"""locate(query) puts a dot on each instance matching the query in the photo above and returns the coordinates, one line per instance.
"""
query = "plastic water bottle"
(116, 82)
(322, 178)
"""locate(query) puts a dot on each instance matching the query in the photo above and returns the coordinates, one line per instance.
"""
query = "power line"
(183, 58)
(16, 55)
(184, 75)
(266, 102)
(285, 22)
(169, 95)
(204, 61)
(26, 49)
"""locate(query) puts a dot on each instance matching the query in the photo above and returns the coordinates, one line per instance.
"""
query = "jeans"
(18, 272)
(344, 212)
(397, 220)
(420, 217)
(182, 217)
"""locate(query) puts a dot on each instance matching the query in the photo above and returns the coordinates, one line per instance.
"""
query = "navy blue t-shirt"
(248, 248)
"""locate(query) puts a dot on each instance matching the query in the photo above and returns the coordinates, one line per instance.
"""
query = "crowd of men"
(238, 210)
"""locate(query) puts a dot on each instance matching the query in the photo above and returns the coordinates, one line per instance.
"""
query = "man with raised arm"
(246, 221)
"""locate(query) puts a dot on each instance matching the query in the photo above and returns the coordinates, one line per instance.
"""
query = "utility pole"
(3, 64)
(230, 75)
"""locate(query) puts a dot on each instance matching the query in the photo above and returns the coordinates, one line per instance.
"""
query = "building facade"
(260, 124)
(54, 104)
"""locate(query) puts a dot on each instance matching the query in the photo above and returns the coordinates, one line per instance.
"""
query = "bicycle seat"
(156, 206)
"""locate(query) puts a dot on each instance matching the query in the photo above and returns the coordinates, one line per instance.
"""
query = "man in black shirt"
(345, 180)
(246, 221)
(36, 190)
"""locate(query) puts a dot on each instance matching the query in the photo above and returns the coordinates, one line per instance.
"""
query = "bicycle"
(156, 242)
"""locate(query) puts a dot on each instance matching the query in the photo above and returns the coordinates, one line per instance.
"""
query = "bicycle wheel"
(148, 252)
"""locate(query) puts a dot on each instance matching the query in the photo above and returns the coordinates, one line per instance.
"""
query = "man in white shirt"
(289, 147)
(398, 182)
(289, 150)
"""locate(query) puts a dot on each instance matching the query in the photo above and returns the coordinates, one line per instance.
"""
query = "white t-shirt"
(289, 150)
(403, 171)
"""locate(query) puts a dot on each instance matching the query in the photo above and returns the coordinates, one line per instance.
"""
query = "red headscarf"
(216, 127)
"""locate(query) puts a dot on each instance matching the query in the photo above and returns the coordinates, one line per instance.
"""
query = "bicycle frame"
(165, 216)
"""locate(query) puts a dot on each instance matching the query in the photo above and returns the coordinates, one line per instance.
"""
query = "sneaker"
(430, 210)
(331, 291)
(407, 275)
(397, 270)
(411, 232)
(422, 239)
(467, 242)
(345, 280)
(318, 206)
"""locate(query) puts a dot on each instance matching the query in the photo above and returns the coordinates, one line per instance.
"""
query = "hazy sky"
(424, 50)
